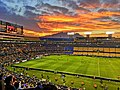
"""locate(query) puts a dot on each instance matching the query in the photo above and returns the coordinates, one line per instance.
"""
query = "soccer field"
(96, 66)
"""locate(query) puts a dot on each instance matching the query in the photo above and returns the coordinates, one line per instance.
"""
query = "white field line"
(98, 68)
(113, 69)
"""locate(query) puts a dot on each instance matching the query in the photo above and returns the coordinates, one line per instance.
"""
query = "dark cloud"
(105, 17)
(30, 8)
(30, 14)
(69, 3)
(113, 4)
(45, 13)
(111, 1)
(90, 3)
(117, 21)
(95, 14)
(27, 23)
(56, 12)
(72, 4)
(51, 8)
(3, 8)
(83, 9)
(102, 10)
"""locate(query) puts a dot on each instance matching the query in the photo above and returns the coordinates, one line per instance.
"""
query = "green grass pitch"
(104, 67)
(96, 66)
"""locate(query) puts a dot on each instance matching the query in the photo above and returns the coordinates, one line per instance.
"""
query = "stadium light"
(87, 34)
(110, 34)
(70, 33)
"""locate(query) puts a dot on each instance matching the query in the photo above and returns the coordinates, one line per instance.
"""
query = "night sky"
(47, 17)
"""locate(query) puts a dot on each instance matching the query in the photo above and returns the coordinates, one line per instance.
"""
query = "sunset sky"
(47, 17)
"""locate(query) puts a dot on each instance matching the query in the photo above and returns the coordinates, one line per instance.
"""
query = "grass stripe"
(104, 67)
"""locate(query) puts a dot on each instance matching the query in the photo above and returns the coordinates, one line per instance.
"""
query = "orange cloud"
(91, 21)
(58, 18)
(33, 33)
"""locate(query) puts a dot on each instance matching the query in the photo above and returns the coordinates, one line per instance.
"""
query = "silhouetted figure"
(118, 88)
(1, 82)
(16, 85)
(9, 81)
(39, 87)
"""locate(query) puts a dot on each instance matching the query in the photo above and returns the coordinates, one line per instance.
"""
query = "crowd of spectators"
(13, 52)
(18, 81)
(17, 52)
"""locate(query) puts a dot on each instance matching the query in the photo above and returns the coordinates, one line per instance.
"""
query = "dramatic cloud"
(46, 17)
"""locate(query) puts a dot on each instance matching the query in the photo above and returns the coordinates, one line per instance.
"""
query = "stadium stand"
(12, 52)
(16, 51)
(107, 47)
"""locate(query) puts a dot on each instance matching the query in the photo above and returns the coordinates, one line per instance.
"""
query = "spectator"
(50, 87)
(95, 86)
(16, 85)
(39, 86)
(101, 81)
(118, 88)
(1, 82)
(82, 83)
(106, 87)
(9, 82)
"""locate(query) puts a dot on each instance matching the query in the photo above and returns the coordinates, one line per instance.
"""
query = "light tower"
(109, 37)
(87, 39)
(88, 34)
(109, 34)
(71, 34)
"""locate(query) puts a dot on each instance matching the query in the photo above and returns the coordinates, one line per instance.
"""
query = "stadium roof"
(63, 35)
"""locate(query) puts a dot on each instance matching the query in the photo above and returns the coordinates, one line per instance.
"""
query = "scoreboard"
(8, 27)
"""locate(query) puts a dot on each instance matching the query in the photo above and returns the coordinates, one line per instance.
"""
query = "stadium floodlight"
(70, 33)
(87, 34)
(110, 32)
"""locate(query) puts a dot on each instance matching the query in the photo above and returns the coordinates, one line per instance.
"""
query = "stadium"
(61, 63)
(59, 45)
